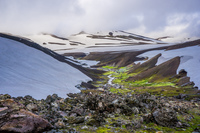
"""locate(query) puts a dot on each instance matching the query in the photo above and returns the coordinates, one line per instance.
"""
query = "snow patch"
(93, 42)
(28, 71)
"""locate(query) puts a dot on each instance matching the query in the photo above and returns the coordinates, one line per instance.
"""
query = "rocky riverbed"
(99, 111)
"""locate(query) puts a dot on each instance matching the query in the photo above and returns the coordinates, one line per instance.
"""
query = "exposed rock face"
(183, 81)
(164, 70)
(165, 117)
(117, 59)
(146, 65)
(88, 85)
(183, 45)
(182, 73)
(14, 118)
(75, 55)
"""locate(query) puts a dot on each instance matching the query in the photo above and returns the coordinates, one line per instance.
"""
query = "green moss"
(100, 83)
(123, 76)
(192, 97)
(123, 126)
(109, 67)
(109, 73)
(123, 69)
(103, 130)
(139, 83)
(162, 90)
(161, 86)
(159, 128)
(196, 120)
(120, 91)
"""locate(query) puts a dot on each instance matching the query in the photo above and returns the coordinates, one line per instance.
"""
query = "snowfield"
(98, 42)
(28, 71)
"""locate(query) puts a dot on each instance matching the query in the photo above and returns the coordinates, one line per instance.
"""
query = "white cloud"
(66, 17)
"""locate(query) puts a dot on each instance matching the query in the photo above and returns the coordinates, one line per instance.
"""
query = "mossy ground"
(165, 87)
(110, 126)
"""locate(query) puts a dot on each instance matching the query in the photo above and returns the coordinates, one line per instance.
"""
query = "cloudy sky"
(65, 17)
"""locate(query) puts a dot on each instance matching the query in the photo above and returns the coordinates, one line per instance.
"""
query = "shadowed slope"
(92, 73)
(146, 65)
(183, 45)
(162, 71)
(117, 59)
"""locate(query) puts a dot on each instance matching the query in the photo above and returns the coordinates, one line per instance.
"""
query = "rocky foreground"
(99, 111)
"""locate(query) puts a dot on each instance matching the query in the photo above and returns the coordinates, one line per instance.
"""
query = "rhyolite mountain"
(25, 71)
(103, 82)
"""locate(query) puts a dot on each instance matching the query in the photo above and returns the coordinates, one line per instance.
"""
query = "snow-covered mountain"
(101, 41)
(25, 70)
(121, 41)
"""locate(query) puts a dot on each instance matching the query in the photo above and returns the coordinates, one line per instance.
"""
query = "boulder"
(93, 122)
(127, 110)
(76, 120)
(182, 73)
(14, 118)
(60, 124)
(184, 80)
(182, 96)
(32, 107)
(165, 117)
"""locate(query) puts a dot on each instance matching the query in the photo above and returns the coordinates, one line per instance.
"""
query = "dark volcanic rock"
(182, 73)
(14, 118)
(23, 121)
(93, 108)
(93, 122)
(75, 120)
(184, 80)
(182, 96)
(88, 85)
(165, 117)
(75, 55)
(127, 110)
(77, 111)
(32, 107)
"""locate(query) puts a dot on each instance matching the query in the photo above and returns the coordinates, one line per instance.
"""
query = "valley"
(119, 82)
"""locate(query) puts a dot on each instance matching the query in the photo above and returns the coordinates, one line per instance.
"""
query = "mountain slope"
(188, 53)
(88, 42)
(28, 71)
